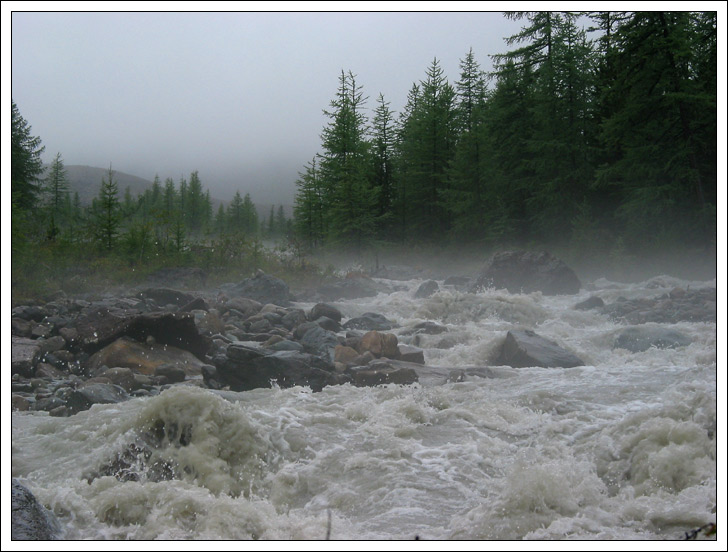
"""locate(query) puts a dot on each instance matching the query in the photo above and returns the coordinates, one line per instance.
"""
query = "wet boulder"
(244, 305)
(410, 353)
(24, 356)
(166, 296)
(351, 287)
(84, 397)
(641, 338)
(284, 368)
(144, 359)
(527, 272)
(378, 344)
(322, 309)
(100, 327)
(382, 372)
(320, 342)
(30, 520)
(264, 288)
(369, 321)
(426, 289)
(524, 348)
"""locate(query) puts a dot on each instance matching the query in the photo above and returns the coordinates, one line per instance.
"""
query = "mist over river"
(621, 448)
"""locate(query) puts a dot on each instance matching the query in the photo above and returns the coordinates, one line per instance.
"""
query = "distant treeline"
(166, 219)
(599, 139)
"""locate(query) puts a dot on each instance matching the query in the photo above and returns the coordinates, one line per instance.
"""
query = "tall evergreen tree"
(468, 170)
(383, 142)
(56, 192)
(107, 212)
(349, 198)
(308, 210)
(26, 165)
(426, 148)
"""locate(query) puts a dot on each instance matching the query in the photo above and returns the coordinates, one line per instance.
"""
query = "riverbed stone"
(369, 321)
(426, 289)
(381, 372)
(641, 338)
(264, 288)
(24, 355)
(323, 309)
(85, 396)
(526, 272)
(143, 358)
(524, 348)
(30, 520)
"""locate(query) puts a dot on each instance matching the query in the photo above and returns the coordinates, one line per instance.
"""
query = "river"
(621, 448)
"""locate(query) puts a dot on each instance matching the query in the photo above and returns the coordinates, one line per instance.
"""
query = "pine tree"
(468, 170)
(308, 210)
(426, 148)
(383, 140)
(349, 199)
(56, 192)
(107, 212)
(26, 165)
(194, 207)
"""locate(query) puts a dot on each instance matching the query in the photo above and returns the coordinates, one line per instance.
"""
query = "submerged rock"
(698, 305)
(640, 338)
(526, 272)
(524, 348)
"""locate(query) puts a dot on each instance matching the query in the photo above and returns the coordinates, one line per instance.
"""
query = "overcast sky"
(237, 96)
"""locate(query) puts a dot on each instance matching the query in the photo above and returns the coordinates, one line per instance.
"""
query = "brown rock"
(127, 353)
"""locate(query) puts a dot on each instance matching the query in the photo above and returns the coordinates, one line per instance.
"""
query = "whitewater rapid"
(622, 448)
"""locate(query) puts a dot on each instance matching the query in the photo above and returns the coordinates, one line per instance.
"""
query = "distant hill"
(87, 182)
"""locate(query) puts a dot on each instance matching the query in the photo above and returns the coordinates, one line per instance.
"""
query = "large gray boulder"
(30, 520)
(524, 348)
(526, 272)
(99, 328)
(264, 288)
(261, 368)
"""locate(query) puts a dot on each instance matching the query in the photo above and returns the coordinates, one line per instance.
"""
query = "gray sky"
(237, 96)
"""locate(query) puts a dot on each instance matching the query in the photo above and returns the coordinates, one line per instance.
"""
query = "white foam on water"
(622, 448)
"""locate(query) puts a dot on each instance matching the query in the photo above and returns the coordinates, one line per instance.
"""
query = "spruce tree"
(56, 192)
(26, 165)
(107, 212)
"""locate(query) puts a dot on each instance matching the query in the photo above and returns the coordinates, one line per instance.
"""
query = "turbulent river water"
(622, 448)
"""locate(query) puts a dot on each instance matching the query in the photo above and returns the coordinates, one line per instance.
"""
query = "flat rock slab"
(524, 348)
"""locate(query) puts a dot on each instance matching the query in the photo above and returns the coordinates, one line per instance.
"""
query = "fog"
(237, 96)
